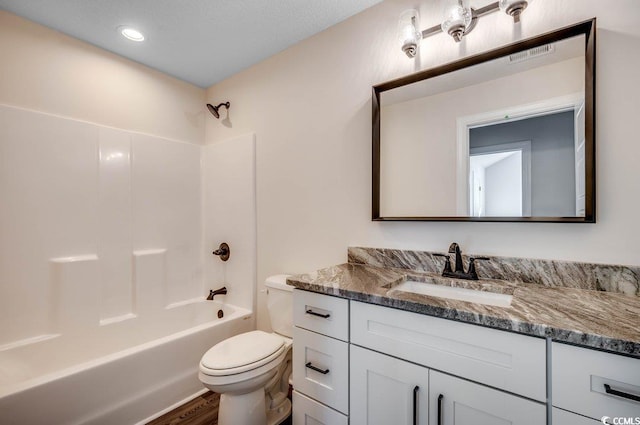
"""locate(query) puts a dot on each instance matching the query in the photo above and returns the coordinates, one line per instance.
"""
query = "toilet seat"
(242, 353)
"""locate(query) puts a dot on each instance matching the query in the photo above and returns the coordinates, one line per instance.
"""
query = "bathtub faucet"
(212, 293)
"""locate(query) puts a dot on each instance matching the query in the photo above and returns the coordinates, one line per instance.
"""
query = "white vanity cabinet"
(595, 384)
(320, 359)
(370, 365)
(360, 363)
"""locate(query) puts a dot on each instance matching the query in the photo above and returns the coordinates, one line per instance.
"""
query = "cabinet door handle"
(440, 397)
(313, 313)
(415, 404)
(622, 394)
(317, 369)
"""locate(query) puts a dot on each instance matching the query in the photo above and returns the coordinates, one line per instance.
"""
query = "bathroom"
(284, 176)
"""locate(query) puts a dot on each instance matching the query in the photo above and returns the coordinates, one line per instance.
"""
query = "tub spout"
(212, 293)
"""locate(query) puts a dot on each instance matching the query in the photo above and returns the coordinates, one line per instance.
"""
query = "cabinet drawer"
(562, 417)
(465, 403)
(309, 412)
(579, 376)
(504, 360)
(321, 313)
(321, 368)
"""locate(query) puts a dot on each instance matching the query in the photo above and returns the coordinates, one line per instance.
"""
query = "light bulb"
(131, 33)
(457, 18)
(408, 32)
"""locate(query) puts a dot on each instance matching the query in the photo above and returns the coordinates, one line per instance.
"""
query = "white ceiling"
(199, 41)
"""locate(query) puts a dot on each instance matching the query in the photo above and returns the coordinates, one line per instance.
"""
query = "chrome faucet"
(458, 272)
(212, 293)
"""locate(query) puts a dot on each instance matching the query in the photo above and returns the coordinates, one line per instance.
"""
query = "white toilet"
(251, 371)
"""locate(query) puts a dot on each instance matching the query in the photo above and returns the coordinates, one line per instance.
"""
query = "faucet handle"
(447, 262)
(473, 274)
(223, 251)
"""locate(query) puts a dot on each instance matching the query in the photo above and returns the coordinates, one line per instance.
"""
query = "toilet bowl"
(251, 371)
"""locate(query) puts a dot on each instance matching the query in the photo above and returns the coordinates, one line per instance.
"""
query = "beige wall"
(46, 71)
(310, 109)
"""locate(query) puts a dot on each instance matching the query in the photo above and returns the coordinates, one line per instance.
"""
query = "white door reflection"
(499, 180)
(544, 180)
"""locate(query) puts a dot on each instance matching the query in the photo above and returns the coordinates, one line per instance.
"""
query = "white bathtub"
(120, 373)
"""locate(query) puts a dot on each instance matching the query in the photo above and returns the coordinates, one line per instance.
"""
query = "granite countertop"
(593, 319)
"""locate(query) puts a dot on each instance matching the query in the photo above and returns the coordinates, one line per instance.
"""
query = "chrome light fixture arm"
(458, 30)
(475, 13)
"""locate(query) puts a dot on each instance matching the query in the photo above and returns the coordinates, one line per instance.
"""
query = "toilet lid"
(242, 352)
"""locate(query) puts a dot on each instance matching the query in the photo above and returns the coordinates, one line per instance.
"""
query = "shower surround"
(106, 237)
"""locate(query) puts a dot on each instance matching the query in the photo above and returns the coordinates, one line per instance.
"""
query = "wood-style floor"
(202, 410)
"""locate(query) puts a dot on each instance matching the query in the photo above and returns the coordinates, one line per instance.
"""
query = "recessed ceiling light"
(131, 33)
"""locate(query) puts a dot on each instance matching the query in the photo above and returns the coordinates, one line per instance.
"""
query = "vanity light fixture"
(459, 19)
(131, 33)
(456, 18)
(408, 32)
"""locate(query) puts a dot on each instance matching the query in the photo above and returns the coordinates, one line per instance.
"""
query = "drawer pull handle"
(313, 313)
(611, 391)
(440, 397)
(415, 405)
(317, 369)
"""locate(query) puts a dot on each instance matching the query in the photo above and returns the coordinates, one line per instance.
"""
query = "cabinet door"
(454, 401)
(385, 390)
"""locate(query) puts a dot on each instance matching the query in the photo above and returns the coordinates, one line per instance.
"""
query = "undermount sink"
(455, 293)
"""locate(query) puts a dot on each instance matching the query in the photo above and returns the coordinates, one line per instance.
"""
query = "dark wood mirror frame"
(588, 29)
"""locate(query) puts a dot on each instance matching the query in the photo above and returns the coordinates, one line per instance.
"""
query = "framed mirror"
(506, 135)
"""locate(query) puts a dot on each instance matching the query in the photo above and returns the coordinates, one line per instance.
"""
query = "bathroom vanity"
(368, 353)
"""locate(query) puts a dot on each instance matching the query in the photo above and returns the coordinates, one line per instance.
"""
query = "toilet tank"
(280, 304)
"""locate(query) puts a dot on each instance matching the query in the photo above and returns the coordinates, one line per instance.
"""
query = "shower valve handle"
(223, 251)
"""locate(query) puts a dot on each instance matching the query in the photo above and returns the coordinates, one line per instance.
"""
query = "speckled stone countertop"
(595, 319)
